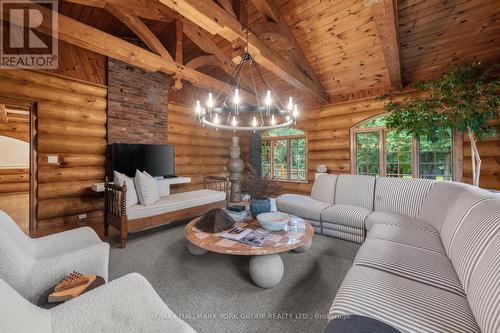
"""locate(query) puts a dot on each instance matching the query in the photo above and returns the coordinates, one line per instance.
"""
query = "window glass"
(298, 159)
(436, 158)
(280, 153)
(368, 153)
(265, 158)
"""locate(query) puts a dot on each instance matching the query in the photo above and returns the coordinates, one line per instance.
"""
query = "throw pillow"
(147, 188)
(119, 179)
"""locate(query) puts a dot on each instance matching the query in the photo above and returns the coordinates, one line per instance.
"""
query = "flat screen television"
(157, 160)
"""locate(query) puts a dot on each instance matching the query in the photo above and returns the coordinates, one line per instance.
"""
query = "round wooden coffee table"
(266, 267)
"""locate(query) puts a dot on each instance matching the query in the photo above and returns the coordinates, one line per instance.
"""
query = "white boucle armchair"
(33, 265)
(127, 304)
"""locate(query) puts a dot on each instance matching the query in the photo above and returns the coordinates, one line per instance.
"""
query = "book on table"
(246, 236)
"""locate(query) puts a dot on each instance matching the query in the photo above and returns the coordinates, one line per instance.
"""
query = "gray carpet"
(214, 293)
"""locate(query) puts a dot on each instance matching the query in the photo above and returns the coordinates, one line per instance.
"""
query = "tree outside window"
(283, 154)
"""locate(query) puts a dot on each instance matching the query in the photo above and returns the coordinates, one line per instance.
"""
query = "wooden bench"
(116, 210)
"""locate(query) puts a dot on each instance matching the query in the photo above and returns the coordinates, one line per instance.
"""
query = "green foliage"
(465, 97)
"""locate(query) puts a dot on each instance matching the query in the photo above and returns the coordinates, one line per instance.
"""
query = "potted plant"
(465, 98)
(260, 189)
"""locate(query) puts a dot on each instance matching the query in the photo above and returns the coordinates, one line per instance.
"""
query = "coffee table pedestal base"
(195, 250)
(266, 271)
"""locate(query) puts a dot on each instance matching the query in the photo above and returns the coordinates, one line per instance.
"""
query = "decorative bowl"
(273, 221)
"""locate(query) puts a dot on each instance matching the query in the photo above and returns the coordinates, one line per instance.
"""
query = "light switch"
(52, 159)
(82, 216)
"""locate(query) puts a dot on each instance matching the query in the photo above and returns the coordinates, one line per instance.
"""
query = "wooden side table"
(43, 300)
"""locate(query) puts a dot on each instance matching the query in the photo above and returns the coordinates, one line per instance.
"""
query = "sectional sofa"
(430, 254)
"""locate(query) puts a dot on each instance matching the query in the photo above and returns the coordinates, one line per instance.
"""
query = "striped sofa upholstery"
(398, 202)
(353, 203)
(410, 280)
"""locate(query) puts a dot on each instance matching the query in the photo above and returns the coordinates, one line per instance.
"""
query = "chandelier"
(245, 113)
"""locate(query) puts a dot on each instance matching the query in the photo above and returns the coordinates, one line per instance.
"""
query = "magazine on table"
(246, 236)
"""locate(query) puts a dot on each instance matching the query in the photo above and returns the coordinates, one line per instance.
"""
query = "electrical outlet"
(53, 159)
(82, 216)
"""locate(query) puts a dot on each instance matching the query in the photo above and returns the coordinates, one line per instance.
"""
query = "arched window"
(283, 154)
(380, 152)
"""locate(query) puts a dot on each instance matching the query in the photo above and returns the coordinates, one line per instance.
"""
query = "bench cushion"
(355, 190)
(410, 237)
(301, 205)
(407, 305)
(427, 267)
(401, 195)
(174, 202)
(399, 220)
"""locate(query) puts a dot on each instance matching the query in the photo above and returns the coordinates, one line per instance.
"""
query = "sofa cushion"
(439, 200)
(460, 208)
(484, 288)
(410, 237)
(404, 221)
(174, 202)
(348, 215)
(355, 190)
(475, 234)
(427, 267)
(324, 188)
(401, 195)
(301, 205)
(407, 305)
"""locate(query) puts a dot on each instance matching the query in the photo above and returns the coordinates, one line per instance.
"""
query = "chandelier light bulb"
(273, 120)
(234, 122)
(236, 98)
(216, 119)
(210, 102)
(203, 111)
(254, 122)
(287, 118)
(290, 104)
(295, 111)
(268, 100)
(198, 107)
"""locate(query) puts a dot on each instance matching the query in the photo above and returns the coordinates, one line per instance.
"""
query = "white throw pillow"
(119, 178)
(147, 188)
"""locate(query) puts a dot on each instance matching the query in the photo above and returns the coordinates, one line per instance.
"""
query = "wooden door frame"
(33, 166)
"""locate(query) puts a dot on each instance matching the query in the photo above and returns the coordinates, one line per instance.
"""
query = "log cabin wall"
(71, 124)
(198, 149)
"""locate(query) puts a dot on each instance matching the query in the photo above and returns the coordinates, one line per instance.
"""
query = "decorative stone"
(195, 250)
(235, 167)
(266, 271)
(214, 221)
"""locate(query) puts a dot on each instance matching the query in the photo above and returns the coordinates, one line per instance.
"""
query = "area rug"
(214, 292)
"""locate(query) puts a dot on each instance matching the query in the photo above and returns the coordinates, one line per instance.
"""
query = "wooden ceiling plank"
(386, 20)
(87, 37)
(215, 20)
(3, 114)
(135, 24)
(179, 54)
(227, 5)
(270, 9)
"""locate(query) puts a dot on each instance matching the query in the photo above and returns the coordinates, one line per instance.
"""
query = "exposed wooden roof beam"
(215, 20)
(227, 5)
(386, 19)
(205, 60)
(270, 9)
(3, 114)
(135, 24)
(179, 54)
(87, 37)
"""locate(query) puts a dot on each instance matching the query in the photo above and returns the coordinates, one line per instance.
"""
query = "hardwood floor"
(17, 206)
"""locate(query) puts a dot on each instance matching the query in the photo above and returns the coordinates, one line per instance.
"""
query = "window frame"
(456, 150)
(272, 140)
